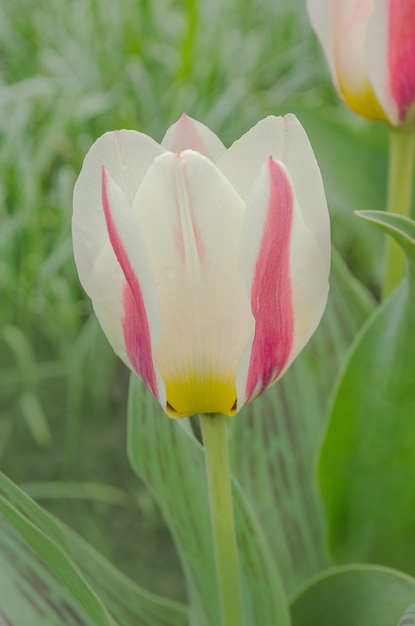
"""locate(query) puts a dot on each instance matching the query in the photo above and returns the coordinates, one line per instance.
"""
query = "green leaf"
(275, 439)
(29, 591)
(367, 462)
(355, 595)
(170, 460)
(56, 559)
(400, 227)
(128, 603)
(409, 618)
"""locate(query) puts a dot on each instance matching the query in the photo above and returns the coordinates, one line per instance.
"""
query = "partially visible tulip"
(207, 268)
(370, 47)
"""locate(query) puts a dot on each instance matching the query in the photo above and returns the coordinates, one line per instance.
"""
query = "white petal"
(341, 27)
(106, 289)
(376, 50)
(127, 155)
(192, 220)
(284, 139)
(189, 134)
(320, 15)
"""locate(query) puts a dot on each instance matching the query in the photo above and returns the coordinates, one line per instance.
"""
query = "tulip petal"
(341, 26)
(141, 316)
(192, 220)
(285, 140)
(189, 134)
(390, 50)
(320, 15)
(286, 274)
(127, 155)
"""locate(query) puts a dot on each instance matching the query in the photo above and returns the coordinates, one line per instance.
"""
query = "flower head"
(207, 268)
(370, 47)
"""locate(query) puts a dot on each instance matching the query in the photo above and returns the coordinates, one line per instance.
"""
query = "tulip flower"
(370, 48)
(207, 268)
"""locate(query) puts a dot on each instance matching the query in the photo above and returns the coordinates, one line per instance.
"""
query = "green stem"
(400, 186)
(223, 524)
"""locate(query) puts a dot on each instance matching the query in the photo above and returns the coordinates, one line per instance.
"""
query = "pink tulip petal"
(402, 54)
(390, 50)
(270, 286)
(124, 235)
(127, 155)
(286, 268)
(189, 134)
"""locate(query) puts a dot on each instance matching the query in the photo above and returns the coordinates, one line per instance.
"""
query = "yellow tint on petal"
(363, 101)
(194, 393)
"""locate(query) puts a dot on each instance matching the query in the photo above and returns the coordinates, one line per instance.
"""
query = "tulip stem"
(399, 200)
(222, 516)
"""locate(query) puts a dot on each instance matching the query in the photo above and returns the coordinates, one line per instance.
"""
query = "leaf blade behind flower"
(275, 439)
(128, 603)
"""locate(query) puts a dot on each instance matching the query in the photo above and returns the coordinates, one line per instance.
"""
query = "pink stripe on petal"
(135, 324)
(271, 301)
(401, 54)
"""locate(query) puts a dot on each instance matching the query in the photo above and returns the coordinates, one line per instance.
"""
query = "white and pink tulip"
(207, 267)
(370, 48)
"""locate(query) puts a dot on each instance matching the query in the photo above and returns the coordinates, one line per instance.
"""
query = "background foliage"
(69, 71)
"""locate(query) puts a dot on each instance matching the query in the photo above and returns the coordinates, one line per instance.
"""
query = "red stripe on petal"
(271, 301)
(401, 54)
(135, 324)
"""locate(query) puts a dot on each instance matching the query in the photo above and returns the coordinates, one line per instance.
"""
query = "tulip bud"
(370, 48)
(207, 268)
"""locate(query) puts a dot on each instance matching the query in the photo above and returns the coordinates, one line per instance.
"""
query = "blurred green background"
(70, 71)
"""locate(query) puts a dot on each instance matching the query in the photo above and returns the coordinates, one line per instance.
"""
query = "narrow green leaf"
(367, 462)
(354, 595)
(170, 460)
(128, 603)
(29, 591)
(34, 513)
(274, 440)
(58, 562)
(400, 227)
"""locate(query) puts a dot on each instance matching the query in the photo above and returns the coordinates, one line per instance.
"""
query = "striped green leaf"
(99, 588)
(275, 439)
(29, 591)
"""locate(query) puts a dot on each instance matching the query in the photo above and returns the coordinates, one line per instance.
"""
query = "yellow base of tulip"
(197, 394)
